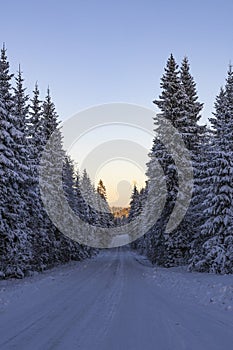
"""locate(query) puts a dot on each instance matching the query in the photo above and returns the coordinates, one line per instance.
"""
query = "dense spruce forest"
(29, 241)
(204, 238)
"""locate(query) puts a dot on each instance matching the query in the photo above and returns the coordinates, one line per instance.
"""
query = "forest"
(203, 240)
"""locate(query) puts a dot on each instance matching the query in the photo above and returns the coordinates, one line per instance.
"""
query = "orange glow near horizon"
(119, 178)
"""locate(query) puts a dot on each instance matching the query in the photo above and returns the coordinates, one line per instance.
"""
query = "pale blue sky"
(93, 52)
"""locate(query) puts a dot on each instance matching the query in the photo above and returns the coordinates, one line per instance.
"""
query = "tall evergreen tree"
(171, 102)
(69, 182)
(197, 144)
(26, 188)
(28, 238)
(5, 79)
(35, 127)
(105, 215)
(50, 167)
(14, 247)
(81, 204)
(216, 252)
(179, 106)
(101, 189)
(89, 198)
(134, 207)
(36, 140)
(189, 86)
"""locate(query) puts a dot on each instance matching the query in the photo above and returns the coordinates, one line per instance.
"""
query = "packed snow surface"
(117, 301)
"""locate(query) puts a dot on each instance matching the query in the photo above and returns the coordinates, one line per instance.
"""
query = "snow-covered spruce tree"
(134, 204)
(69, 182)
(47, 246)
(162, 176)
(64, 244)
(83, 208)
(216, 253)
(179, 106)
(57, 247)
(159, 190)
(70, 249)
(137, 203)
(96, 208)
(89, 196)
(14, 244)
(35, 128)
(101, 189)
(80, 208)
(197, 144)
(196, 216)
(36, 139)
(89, 206)
(172, 103)
(106, 218)
(81, 204)
(5, 78)
(26, 188)
(194, 105)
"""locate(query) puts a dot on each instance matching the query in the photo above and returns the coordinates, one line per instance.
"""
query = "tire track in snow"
(54, 309)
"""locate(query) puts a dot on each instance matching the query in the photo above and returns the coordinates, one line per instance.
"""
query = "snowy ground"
(117, 301)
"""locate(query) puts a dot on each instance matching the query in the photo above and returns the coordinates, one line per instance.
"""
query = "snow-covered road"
(112, 302)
